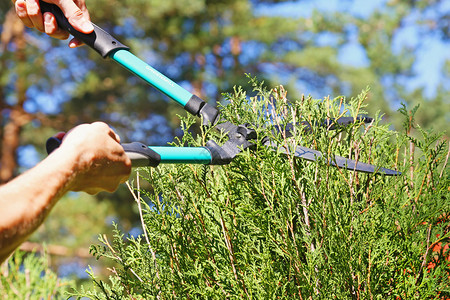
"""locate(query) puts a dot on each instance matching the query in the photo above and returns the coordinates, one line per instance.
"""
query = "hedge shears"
(240, 137)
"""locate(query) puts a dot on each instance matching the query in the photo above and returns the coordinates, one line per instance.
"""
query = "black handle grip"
(52, 144)
(139, 154)
(99, 40)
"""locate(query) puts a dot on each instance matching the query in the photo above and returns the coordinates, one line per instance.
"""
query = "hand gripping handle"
(139, 154)
(99, 40)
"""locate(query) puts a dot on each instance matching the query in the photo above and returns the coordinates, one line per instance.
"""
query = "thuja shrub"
(272, 226)
(28, 276)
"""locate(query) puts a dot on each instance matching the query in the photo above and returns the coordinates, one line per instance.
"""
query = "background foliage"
(27, 276)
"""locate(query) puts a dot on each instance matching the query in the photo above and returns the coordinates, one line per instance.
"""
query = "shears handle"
(139, 154)
(105, 44)
(142, 155)
(99, 40)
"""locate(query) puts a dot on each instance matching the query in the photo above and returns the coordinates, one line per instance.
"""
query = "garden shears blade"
(240, 137)
(335, 160)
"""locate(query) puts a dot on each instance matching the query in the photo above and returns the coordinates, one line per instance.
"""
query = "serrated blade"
(337, 161)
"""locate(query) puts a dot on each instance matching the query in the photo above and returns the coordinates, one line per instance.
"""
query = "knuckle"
(76, 15)
(101, 126)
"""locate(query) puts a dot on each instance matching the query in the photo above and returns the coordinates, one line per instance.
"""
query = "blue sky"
(303, 8)
(432, 52)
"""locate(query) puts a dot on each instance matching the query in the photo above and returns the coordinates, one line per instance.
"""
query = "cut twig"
(144, 228)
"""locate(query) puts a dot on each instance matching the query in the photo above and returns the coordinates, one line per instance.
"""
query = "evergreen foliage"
(270, 225)
(27, 276)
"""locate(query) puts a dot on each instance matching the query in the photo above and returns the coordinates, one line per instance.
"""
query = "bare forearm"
(26, 201)
(90, 159)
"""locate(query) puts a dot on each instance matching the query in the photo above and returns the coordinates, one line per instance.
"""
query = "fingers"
(110, 187)
(21, 11)
(79, 20)
(82, 5)
(35, 15)
(74, 10)
(51, 27)
(75, 43)
(104, 127)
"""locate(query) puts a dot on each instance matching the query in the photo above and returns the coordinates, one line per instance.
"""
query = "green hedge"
(271, 226)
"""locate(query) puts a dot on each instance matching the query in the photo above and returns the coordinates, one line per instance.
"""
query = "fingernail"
(87, 26)
(21, 4)
(47, 18)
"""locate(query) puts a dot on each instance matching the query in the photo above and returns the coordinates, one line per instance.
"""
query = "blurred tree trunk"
(13, 33)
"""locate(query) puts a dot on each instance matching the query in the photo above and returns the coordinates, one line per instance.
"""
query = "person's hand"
(74, 10)
(97, 159)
